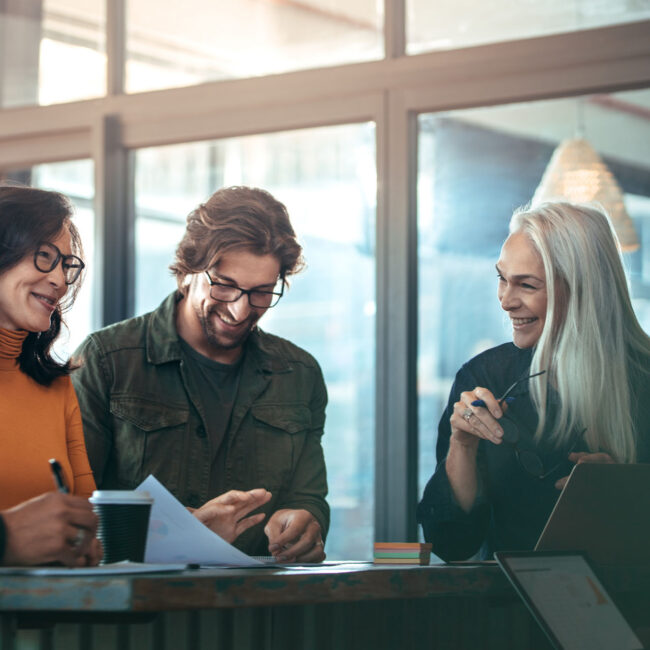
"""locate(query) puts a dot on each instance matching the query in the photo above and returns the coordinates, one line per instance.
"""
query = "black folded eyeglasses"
(528, 460)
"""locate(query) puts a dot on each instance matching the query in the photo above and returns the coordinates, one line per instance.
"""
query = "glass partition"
(448, 24)
(475, 167)
(178, 44)
(327, 179)
(51, 51)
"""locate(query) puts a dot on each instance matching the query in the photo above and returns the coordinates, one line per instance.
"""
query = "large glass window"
(171, 43)
(327, 179)
(448, 24)
(75, 180)
(475, 167)
(51, 51)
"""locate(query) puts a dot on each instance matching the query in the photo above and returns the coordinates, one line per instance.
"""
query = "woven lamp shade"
(577, 173)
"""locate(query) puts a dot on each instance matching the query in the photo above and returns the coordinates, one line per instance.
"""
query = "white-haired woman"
(582, 363)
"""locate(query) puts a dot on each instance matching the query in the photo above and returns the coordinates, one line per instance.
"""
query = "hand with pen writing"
(53, 527)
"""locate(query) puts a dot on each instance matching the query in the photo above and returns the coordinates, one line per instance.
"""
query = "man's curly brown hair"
(237, 218)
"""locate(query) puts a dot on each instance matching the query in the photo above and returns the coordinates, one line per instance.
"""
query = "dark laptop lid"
(604, 510)
(568, 600)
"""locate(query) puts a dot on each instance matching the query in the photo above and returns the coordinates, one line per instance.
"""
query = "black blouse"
(512, 505)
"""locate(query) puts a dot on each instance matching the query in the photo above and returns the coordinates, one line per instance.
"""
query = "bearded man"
(197, 395)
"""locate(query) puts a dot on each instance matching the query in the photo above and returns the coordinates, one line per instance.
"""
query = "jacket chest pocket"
(280, 431)
(148, 439)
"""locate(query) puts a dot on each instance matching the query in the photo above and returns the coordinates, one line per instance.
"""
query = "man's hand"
(578, 457)
(226, 514)
(295, 536)
(53, 527)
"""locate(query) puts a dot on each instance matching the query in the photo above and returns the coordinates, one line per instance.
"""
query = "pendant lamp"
(578, 174)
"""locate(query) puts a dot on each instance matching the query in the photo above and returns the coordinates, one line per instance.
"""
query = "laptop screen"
(568, 600)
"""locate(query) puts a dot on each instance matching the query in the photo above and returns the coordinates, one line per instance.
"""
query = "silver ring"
(467, 414)
(320, 543)
(80, 538)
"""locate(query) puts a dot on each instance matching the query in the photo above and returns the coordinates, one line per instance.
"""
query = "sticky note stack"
(402, 553)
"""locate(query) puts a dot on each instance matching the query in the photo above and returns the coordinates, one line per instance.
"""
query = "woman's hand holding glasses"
(476, 416)
(477, 412)
(468, 426)
(471, 423)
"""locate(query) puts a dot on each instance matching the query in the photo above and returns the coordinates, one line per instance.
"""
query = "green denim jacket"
(142, 416)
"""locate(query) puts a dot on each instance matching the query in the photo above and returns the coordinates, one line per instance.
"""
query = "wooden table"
(346, 605)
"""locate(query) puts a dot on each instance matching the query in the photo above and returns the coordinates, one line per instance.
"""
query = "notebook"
(604, 510)
(568, 600)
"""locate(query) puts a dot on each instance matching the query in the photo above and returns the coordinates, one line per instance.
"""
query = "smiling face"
(217, 329)
(28, 297)
(522, 289)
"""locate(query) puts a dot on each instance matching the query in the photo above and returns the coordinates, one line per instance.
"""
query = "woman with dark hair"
(40, 273)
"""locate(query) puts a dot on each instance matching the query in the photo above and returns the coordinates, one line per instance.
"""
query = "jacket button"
(200, 432)
(193, 500)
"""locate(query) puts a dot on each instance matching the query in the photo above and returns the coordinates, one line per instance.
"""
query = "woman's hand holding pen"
(471, 422)
(480, 410)
(46, 529)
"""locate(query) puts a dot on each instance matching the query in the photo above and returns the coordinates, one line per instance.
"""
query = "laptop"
(568, 600)
(604, 510)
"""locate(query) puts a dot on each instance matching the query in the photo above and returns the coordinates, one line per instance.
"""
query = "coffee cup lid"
(134, 497)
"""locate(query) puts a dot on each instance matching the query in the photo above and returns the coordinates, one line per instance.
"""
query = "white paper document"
(175, 535)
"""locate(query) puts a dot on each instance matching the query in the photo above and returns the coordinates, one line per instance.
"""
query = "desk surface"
(227, 588)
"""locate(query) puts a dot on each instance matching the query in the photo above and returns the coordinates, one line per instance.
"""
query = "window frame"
(391, 92)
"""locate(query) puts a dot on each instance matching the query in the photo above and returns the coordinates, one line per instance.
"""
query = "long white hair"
(591, 339)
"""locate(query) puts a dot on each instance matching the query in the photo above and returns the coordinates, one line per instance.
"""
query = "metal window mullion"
(113, 179)
(114, 222)
(115, 46)
(394, 28)
(396, 398)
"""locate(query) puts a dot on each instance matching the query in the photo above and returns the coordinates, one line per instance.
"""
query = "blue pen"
(506, 396)
(507, 400)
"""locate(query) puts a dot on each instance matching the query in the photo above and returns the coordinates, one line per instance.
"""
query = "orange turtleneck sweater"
(37, 423)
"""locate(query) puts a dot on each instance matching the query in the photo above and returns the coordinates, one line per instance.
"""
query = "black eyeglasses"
(47, 256)
(505, 396)
(529, 461)
(256, 297)
(513, 386)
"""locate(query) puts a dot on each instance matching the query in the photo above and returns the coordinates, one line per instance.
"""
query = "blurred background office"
(400, 134)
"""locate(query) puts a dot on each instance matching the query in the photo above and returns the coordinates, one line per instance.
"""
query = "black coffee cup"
(123, 523)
